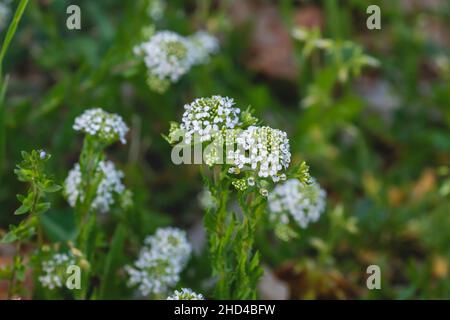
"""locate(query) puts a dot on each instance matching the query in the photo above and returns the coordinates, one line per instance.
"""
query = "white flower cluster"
(186, 294)
(293, 199)
(264, 150)
(208, 118)
(168, 55)
(4, 13)
(55, 270)
(108, 127)
(203, 45)
(160, 261)
(109, 186)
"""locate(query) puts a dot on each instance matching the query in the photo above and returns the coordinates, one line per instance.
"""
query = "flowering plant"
(256, 158)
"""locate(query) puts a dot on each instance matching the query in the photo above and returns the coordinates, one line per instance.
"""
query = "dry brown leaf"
(425, 184)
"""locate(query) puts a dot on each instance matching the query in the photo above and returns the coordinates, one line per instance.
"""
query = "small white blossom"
(186, 294)
(208, 118)
(203, 44)
(167, 55)
(206, 200)
(262, 149)
(160, 261)
(110, 185)
(170, 242)
(106, 126)
(293, 199)
(55, 270)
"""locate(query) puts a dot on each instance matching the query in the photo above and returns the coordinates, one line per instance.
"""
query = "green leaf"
(42, 207)
(53, 188)
(9, 237)
(22, 210)
(112, 263)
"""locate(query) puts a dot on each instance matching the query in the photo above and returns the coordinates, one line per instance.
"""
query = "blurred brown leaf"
(425, 184)
(310, 281)
(271, 49)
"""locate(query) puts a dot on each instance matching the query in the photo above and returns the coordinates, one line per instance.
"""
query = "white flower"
(203, 45)
(170, 242)
(206, 200)
(110, 185)
(293, 199)
(153, 273)
(264, 150)
(160, 261)
(167, 55)
(185, 294)
(208, 118)
(106, 126)
(55, 270)
(42, 154)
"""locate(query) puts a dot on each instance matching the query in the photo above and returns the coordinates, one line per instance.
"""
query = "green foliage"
(31, 170)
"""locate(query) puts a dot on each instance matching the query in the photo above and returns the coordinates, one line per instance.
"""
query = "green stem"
(248, 273)
(4, 81)
(216, 225)
(12, 281)
(90, 157)
(12, 30)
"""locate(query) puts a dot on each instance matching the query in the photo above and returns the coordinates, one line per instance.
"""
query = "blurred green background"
(377, 140)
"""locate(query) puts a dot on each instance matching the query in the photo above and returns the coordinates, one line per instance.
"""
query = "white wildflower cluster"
(106, 126)
(54, 270)
(208, 118)
(168, 55)
(185, 294)
(160, 261)
(304, 203)
(203, 45)
(110, 185)
(259, 153)
(264, 150)
(5, 12)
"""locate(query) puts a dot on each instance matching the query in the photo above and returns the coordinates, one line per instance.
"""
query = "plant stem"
(215, 222)
(90, 157)
(12, 280)
(12, 30)
(4, 80)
